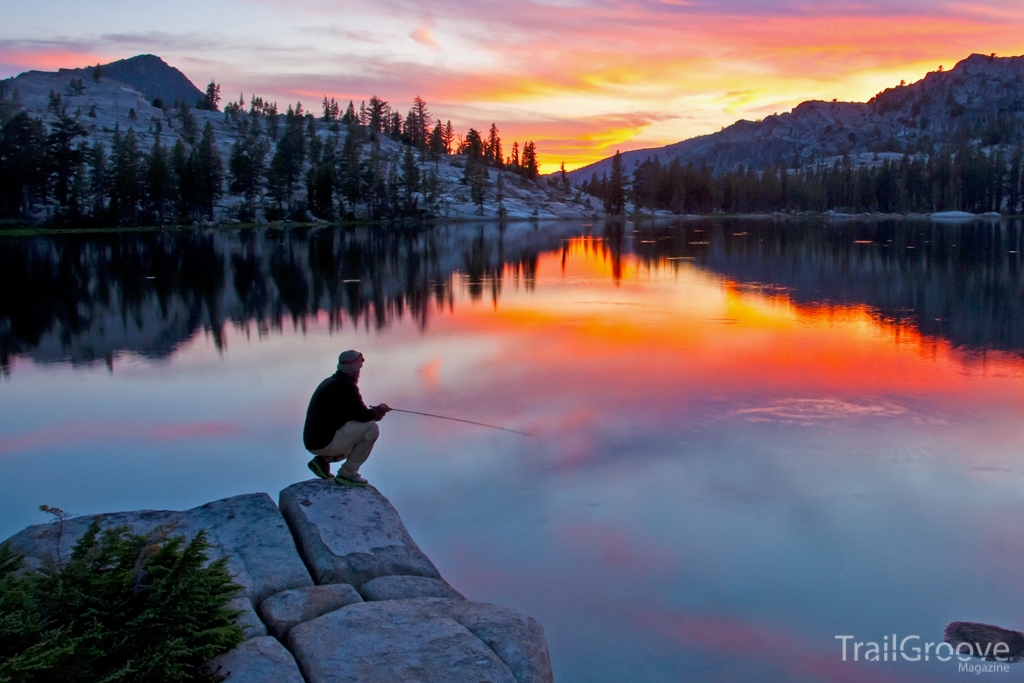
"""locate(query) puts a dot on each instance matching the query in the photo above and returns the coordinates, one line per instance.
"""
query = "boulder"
(250, 622)
(349, 534)
(249, 530)
(429, 640)
(285, 610)
(258, 660)
(983, 639)
(406, 588)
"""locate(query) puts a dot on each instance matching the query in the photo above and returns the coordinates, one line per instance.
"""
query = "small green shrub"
(124, 608)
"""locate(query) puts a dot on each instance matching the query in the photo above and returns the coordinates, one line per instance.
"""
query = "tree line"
(965, 178)
(285, 165)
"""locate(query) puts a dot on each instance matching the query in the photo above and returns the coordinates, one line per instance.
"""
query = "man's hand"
(382, 410)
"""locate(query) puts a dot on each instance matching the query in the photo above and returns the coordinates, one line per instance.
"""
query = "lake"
(754, 436)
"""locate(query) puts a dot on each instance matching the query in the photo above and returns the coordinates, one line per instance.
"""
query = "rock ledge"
(344, 592)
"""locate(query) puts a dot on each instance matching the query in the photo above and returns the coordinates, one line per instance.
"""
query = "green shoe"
(350, 480)
(320, 468)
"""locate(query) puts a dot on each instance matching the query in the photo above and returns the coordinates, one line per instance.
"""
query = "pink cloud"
(423, 36)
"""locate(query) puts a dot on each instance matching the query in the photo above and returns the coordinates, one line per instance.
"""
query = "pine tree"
(99, 183)
(247, 166)
(449, 137)
(475, 174)
(615, 194)
(530, 167)
(349, 179)
(23, 164)
(321, 180)
(65, 156)
(410, 179)
(286, 165)
(350, 116)
(378, 114)
(189, 127)
(211, 100)
(184, 181)
(435, 145)
(126, 172)
(159, 187)
(209, 170)
(420, 122)
(493, 147)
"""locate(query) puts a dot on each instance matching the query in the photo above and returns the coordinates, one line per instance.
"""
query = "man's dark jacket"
(335, 402)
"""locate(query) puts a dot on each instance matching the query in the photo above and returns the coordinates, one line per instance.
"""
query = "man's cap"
(350, 361)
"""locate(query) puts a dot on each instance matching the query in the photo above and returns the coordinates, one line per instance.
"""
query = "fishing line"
(455, 419)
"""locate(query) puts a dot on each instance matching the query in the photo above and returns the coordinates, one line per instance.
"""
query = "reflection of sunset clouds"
(670, 523)
(805, 411)
(72, 436)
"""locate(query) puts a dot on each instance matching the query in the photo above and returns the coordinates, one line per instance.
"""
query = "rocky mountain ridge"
(334, 590)
(138, 95)
(147, 74)
(980, 101)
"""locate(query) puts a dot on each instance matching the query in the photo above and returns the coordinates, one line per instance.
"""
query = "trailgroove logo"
(913, 649)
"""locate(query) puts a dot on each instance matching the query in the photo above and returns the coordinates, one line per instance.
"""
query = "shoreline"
(24, 229)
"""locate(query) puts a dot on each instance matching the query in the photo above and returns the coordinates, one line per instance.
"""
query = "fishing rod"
(470, 422)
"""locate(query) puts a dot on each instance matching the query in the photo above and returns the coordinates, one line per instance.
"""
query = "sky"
(581, 78)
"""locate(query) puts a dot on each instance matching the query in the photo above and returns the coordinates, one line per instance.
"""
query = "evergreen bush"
(123, 608)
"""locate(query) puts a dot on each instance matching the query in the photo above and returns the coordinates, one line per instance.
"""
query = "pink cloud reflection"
(73, 436)
(731, 637)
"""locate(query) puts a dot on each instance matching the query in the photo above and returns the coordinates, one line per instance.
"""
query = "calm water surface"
(755, 436)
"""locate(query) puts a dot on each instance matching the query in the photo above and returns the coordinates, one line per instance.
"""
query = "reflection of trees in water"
(88, 297)
(959, 282)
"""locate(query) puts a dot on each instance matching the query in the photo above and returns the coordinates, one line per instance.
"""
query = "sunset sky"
(582, 78)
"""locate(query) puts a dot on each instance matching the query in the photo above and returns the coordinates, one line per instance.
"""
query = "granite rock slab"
(407, 588)
(249, 530)
(432, 640)
(258, 660)
(251, 624)
(349, 534)
(984, 640)
(287, 609)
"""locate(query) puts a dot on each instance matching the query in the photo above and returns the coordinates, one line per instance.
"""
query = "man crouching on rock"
(339, 426)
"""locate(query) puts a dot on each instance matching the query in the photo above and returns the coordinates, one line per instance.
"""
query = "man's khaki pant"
(352, 443)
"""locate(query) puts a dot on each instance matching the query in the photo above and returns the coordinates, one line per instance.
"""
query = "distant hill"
(148, 74)
(980, 100)
(118, 109)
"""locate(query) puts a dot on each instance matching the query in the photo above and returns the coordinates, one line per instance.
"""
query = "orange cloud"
(16, 61)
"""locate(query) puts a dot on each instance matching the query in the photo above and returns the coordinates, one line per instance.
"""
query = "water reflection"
(736, 456)
(85, 298)
(88, 297)
(963, 283)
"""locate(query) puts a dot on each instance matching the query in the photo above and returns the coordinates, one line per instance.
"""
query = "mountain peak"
(149, 74)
